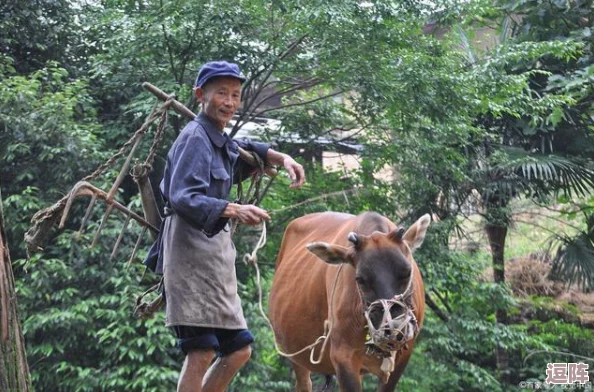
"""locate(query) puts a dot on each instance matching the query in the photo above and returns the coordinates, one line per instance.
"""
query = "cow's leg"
(390, 386)
(348, 370)
(303, 383)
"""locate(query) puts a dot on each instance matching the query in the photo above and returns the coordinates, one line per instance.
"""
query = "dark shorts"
(223, 341)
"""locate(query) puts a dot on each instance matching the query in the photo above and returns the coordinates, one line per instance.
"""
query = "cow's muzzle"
(390, 333)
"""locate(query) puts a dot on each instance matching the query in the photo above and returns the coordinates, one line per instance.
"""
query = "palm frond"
(544, 174)
(573, 260)
(465, 45)
(502, 186)
(506, 29)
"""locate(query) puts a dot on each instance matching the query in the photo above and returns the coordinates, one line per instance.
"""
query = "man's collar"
(217, 137)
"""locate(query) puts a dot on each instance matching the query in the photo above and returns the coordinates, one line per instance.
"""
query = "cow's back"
(300, 291)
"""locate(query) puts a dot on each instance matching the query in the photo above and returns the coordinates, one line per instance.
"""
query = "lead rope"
(328, 324)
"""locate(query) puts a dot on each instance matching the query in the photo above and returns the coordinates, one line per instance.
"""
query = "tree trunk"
(14, 371)
(497, 234)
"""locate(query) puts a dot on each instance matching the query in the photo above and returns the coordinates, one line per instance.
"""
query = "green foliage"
(509, 121)
(37, 31)
(573, 259)
(566, 130)
(88, 309)
(562, 342)
(461, 351)
(48, 124)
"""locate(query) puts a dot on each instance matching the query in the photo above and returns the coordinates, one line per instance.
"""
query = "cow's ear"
(415, 235)
(331, 254)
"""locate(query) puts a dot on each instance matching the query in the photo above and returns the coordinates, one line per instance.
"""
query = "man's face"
(220, 98)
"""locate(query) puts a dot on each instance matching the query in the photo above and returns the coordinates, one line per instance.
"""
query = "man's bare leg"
(192, 373)
(219, 375)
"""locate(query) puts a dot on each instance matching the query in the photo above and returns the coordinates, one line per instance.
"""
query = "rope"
(254, 194)
(324, 196)
(152, 117)
(48, 215)
(142, 170)
(148, 163)
(146, 310)
(43, 214)
(252, 258)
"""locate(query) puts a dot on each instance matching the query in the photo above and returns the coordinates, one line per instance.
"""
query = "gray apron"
(200, 279)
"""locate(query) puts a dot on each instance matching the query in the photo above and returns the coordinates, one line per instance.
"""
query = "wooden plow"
(44, 220)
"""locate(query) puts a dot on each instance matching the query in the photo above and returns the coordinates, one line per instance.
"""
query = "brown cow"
(369, 267)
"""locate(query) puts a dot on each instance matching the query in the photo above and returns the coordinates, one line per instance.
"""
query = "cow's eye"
(360, 280)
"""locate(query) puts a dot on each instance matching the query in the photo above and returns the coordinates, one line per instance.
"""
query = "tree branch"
(248, 112)
(298, 103)
(292, 47)
(444, 317)
(550, 217)
(250, 101)
(442, 299)
(169, 51)
(536, 225)
(305, 85)
(186, 53)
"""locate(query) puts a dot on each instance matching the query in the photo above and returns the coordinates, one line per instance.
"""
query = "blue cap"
(217, 68)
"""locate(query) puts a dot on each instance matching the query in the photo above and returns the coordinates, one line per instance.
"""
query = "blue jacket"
(202, 164)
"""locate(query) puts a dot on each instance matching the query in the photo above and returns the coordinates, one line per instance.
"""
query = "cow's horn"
(397, 234)
(354, 238)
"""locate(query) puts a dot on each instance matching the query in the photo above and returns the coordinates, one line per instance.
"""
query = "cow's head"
(382, 262)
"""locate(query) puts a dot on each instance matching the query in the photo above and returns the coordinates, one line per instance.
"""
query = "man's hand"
(248, 214)
(294, 169)
(296, 172)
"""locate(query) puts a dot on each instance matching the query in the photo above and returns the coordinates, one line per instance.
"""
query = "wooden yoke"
(187, 113)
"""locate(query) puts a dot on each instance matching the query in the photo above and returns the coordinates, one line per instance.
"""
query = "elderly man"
(197, 254)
